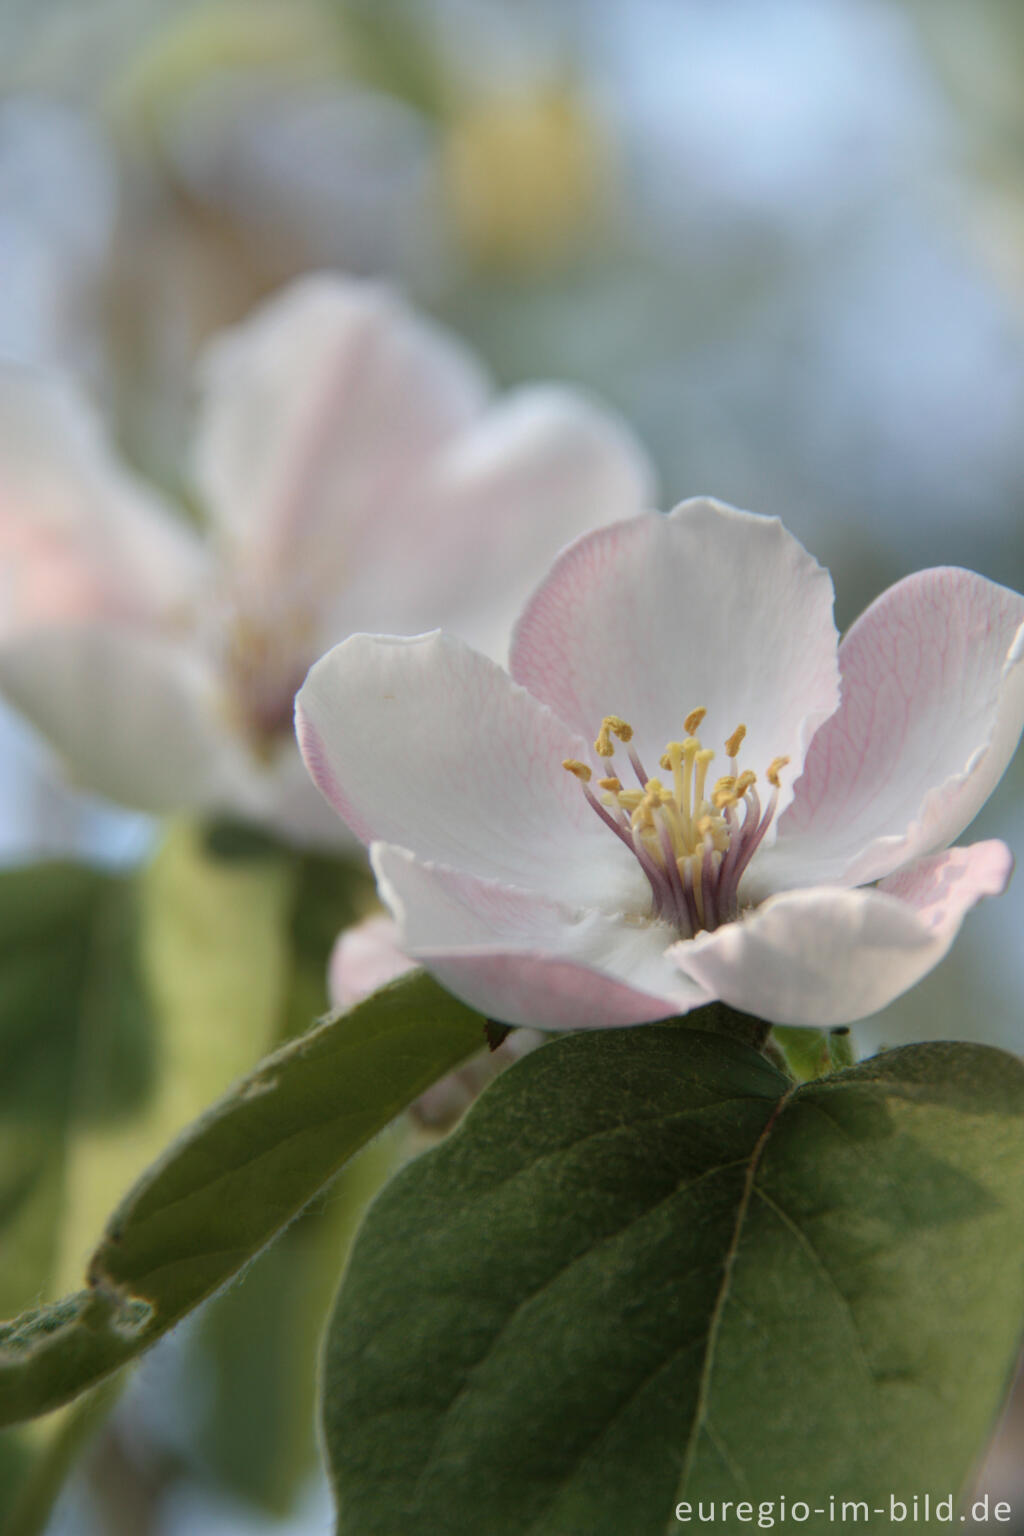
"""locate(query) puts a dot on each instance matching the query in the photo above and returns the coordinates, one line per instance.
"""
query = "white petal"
(364, 958)
(425, 743)
(523, 960)
(707, 607)
(827, 956)
(287, 802)
(932, 709)
(79, 537)
(136, 719)
(492, 511)
(317, 413)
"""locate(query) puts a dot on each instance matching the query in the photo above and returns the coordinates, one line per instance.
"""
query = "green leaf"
(212, 952)
(647, 1269)
(233, 1180)
(258, 1345)
(75, 1043)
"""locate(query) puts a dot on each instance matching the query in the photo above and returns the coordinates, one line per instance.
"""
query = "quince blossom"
(366, 957)
(354, 468)
(686, 790)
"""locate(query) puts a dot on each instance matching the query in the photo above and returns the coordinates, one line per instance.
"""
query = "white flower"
(355, 471)
(365, 957)
(643, 883)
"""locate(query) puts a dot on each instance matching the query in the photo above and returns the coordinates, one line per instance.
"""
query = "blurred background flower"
(786, 239)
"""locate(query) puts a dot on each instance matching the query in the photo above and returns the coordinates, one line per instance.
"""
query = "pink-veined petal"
(423, 742)
(134, 717)
(827, 955)
(317, 412)
(932, 709)
(495, 507)
(80, 538)
(525, 960)
(705, 607)
(287, 801)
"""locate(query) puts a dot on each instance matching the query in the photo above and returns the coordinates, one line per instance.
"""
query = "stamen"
(707, 879)
(690, 898)
(773, 770)
(725, 791)
(692, 846)
(735, 741)
(638, 767)
(612, 725)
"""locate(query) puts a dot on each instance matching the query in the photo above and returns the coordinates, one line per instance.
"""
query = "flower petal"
(364, 958)
(134, 717)
(528, 961)
(932, 709)
(79, 537)
(709, 607)
(315, 414)
(502, 497)
(425, 743)
(285, 800)
(828, 956)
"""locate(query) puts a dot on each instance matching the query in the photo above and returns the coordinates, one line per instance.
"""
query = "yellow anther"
(614, 785)
(643, 816)
(773, 770)
(573, 765)
(693, 720)
(735, 741)
(612, 725)
(746, 781)
(705, 827)
(725, 791)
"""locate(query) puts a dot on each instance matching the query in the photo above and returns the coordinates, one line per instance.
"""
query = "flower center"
(693, 843)
(264, 664)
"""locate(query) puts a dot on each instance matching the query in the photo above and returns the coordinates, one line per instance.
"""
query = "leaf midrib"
(700, 1414)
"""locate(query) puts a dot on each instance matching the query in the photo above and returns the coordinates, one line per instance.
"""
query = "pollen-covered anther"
(774, 767)
(581, 770)
(724, 792)
(735, 741)
(612, 725)
(693, 721)
(613, 785)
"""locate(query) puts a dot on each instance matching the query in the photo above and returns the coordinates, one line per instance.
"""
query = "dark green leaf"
(648, 1269)
(233, 1180)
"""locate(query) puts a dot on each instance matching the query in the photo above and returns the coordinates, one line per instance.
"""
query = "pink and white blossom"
(366, 957)
(353, 468)
(555, 845)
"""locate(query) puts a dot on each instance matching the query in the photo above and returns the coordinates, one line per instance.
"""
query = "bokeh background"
(784, 237)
